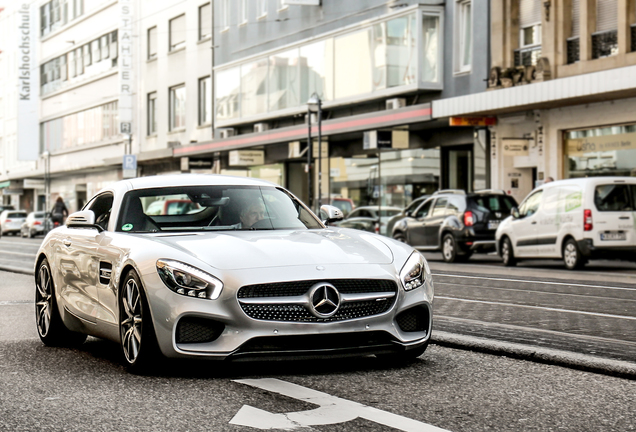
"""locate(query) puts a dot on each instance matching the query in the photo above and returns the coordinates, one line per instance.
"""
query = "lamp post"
(314, 104)
(47, 188)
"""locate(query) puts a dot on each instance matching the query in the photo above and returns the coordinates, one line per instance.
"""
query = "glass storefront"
(393, 53)
(605, 151)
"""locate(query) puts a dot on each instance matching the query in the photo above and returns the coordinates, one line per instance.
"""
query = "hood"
(234, 250)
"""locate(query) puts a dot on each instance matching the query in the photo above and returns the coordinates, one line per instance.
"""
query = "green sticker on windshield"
(127, 227)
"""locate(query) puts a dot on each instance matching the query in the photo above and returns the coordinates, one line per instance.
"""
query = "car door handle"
(534, 222)
(67, 242)
(624, 217)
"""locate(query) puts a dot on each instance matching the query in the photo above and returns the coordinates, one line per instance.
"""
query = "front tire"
(137, 337)
(572, 257)
(507, 253)
(51, 328)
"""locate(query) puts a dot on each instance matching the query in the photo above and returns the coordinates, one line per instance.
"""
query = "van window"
(612, 197)
(531, 204)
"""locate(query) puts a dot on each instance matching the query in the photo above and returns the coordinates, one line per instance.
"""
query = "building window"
(605, 39)
(529, 50)
(205, 21)
(225, 14)
(261, 8)
(205, 101)
(243, 12)
(87, 55)
(177, 107)
(152, 43)
(463, 35)
(177, 32)
(57, 13)
(152, 113)
(573, 42)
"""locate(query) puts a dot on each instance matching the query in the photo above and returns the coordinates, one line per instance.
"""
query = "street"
(449, 388)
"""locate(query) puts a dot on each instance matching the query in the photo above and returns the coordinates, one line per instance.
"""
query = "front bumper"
(228, 333)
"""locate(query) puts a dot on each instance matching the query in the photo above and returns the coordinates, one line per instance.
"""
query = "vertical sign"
(28, 83)
(129, 166)
(125, 64)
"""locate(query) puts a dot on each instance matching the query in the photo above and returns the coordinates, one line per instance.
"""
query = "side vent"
(105, 272)
(395, 103)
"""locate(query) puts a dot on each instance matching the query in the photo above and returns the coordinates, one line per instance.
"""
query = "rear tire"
(572, 257)
(399, 237)
(51, 328)
(137, 336)
(449, 249)
(507, 253)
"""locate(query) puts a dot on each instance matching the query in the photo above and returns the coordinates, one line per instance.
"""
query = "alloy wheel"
(131, 323)
(43, 300)
(570, 255)
(448, 248)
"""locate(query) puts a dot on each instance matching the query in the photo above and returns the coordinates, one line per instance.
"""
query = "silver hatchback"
(11, 221)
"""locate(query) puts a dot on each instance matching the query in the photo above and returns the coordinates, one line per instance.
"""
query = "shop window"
(177, 33)
(177, 107)
(205, 21)
(205, 101)
(152, 113)
(463, 36)
(152, 43)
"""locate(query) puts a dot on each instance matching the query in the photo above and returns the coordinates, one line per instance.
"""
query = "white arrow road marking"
(331, 410)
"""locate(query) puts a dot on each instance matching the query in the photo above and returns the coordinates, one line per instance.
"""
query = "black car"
(456, 223)
(405, 212)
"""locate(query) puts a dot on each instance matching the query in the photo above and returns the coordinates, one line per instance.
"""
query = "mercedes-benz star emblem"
(324, 300)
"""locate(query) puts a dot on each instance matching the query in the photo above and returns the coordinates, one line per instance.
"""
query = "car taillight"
(8, 220)
(37, 223)
(587, 220)
(468, 218)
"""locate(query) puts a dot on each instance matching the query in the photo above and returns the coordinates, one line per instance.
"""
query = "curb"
(588, 363)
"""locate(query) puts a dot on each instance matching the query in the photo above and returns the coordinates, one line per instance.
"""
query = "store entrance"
(457, 163)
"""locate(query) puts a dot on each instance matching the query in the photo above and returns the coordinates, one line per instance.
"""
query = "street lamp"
(47, 187)
(314, 104)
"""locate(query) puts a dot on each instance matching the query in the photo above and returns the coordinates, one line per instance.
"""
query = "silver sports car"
(243, 270)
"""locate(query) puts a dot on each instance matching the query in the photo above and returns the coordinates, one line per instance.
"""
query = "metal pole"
(319, 154)
(212, 91)
(379, 190)
(309, 150)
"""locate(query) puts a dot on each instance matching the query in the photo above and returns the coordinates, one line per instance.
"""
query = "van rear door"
(613, 221)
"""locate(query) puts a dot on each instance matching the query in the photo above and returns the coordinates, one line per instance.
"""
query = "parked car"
(205, 285)
(456, 223)
(11, 221)
(35, 224)
(344, 204)
(366, 218)
(405, 212)
(574, 220)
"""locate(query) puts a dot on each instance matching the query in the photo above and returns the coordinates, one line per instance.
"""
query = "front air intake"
(415, 319)
(198, 330)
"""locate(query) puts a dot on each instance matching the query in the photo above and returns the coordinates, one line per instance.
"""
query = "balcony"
(527, 56)
(573, 50)
(604, 44)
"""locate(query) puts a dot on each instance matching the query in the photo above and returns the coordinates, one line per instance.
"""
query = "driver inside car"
(251, 214)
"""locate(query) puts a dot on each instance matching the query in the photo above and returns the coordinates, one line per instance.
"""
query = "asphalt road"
(55, 389)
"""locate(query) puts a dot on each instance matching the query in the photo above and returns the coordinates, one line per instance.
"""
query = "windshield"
(494, 203)
(212, 208)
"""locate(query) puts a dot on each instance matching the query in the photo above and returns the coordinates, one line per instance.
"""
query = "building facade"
(562, 86)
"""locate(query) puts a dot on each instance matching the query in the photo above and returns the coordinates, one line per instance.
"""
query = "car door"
(414, 226)
(524, 228)
(434, 222)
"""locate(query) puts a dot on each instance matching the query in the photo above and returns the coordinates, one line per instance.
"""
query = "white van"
(574, 220)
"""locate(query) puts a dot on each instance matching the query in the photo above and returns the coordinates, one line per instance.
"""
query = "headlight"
(189, 281)
(414, 272)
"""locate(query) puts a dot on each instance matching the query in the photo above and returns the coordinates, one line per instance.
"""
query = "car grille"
(270, 311)
(198, 330)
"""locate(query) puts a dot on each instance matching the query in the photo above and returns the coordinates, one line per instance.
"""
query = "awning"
(5, 184)
(575, 90)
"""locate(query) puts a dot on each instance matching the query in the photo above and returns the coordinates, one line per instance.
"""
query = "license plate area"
(613, 235)
(493, 225)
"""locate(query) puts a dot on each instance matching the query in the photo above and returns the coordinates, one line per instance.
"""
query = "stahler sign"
(125, 65)
(28, 85)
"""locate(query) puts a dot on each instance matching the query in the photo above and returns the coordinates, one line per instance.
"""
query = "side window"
(612, 197)
(364, 213)
(102, 206)
(440, 207)
(455, 206)
(531, 204)
(424, 209)
(355, 213)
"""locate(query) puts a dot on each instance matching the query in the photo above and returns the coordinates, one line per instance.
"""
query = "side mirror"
(83, 219)
(330, 214)
(514, 212)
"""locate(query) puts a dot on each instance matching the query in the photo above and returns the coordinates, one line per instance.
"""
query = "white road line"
(15, 302)
(331, 410)
(587, 296)
(18, 253)
(533, 281)
(539, 308)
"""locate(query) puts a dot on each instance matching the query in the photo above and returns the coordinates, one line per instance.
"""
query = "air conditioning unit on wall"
(395, 103)
(260, 127)
(226, 133)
